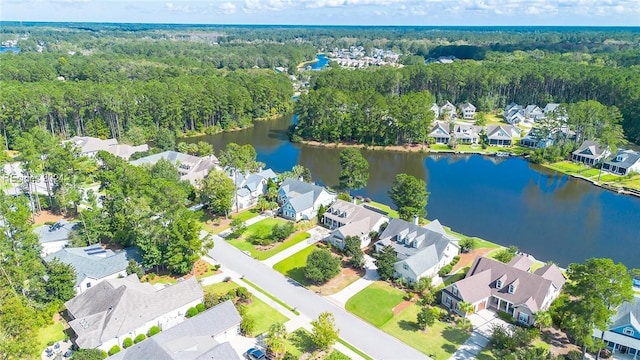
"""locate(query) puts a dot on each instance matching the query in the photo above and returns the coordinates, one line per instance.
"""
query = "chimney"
(416, 219)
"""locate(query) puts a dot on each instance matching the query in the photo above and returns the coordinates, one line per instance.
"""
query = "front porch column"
(499, 304)
(614, 348)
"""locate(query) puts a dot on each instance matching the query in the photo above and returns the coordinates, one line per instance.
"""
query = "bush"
(193, 311)
(226, 279)
(605, 353)
(139, 338)
(216, 267)
(282, 231)
(455, 260)
(200, 308)
(153, 330)
(573, 355)
(128, 342)
(247, 325)
(114, 350)
(445, 270)
(243, 294)
(89, 354)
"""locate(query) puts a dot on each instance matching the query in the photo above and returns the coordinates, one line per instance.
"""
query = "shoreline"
(268, 118)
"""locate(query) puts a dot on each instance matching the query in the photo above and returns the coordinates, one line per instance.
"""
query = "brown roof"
(530, 288)
(521, 262)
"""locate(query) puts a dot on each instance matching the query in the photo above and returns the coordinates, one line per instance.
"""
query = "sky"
(331, 12)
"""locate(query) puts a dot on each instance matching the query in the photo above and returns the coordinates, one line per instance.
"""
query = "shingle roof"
(440, 129)
(88, 144)
(627, 314)
(494, 131)
(300, 194)
(531, 288)
(191, 339)
(358, 220)
(428, 243)
(589, 148)
(190, 167)
(47, 233)
(94, 261)
(117, 306)
(628, 158)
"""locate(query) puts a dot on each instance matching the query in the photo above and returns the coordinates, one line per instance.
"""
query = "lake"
(509, 201)
(321, 62)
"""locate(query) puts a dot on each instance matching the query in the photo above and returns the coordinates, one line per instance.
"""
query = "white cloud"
(177, 8)
(227, 8)
(273, 5)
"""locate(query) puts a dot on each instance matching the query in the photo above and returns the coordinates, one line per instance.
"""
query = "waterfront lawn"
(571, 168)
(375, 303)
(50, 334)
(392, 213)
(263, 314)
(294, 265)
(440, 341)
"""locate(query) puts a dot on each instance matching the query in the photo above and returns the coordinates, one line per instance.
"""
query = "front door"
(623, 349)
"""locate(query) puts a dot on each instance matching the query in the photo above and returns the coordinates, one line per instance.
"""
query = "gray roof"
(268, 174)
(468, 105)
(47, 233)
(190, 167)
(117, 306)
(530, 288)
(300, 194)
(627, 314)
(590, 149)
(494, 131)
(440, 129)
(627, 158)
(357, 220)
(94, 261)
(89, 145)
(427, 243)
(550, 107)
(464, 131)
(191, 339)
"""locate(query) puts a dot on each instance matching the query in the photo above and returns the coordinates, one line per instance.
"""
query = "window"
(523, 317)
(405, 266)
(628, 331)
(88, 285)
(447, 301)
(498, 284)
(512, 289)
(454, 290)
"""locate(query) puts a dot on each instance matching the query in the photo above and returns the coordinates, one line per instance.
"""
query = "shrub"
(153, 330)
(282, 231)
(243, 294)
(193, 311)
(151, 276)
(445, 270)
(226, 279)
(128, 342)
(200, 308)
(114, 350)
(216, 267)
(247, 325)
(455, 260)
(467, 244)
(89, 354)
(573, 355)
(139, 338)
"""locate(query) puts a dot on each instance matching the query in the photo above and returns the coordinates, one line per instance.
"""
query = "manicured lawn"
(392, 213)
(262, 230)
(299, 342)
(246, 215)
(572, 168)
(296, 238)
(293, 266)
(51, 333)
(440, 341)
(375, 303)
(263, 314)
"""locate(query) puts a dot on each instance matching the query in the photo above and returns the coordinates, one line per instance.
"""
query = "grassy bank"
(631, 181)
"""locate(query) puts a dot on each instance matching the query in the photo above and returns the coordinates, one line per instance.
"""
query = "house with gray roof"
(54, 237)
(348, 219)
(436, 110)
(94, 264)
(250, 186)
(468, 111)
(440, 132)
(89, 146)
(590, 153)
(511, 288)
(202, 337)
(448, 111)
(533, 113)
(421, 250)
(623, 163)
(190, 167)
(623, 334)
(300, 200)
(116, 309)
(466, 134)
(499, 135)
(514, 114)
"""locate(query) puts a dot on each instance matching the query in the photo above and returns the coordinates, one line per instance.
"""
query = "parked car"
(68, 353)
(255, 354)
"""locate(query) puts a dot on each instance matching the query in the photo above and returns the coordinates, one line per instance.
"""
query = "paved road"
(353, 330)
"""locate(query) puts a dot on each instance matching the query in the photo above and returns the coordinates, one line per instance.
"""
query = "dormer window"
(620, 158)
(498, 284)
(628, 331)
(512, 289)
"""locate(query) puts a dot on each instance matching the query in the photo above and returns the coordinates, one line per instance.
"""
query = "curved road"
(364, 336)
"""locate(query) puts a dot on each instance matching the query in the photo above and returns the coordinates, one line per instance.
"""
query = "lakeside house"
(440, 132)
(466, 134)
(468, 111)
(421, 250)
(89, 146)
(536, 140)
(205, 336)
(623, 333)
(534, 113)
(514, 114)
(94, 264)
(624, 162)
(348, 219)
(301, 200)
(500, 135)
(510, 288)
(115, 309)
(54, 237)
(250, 186)
(590, 153)
(190, 167)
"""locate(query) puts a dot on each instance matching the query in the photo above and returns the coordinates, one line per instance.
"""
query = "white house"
(590, 153)
(116, 309)
(190, 167)
(251, 186)
(468, 110)
(94, 264)
(204, 336)
(436, 110)
(89, 146)
(448, 111)
(54, 237)
(301, 200)
(421, 250)
(348, 219)
(623, 163)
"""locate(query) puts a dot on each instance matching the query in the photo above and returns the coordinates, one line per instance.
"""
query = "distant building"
(89, 146)
(190, 167)
(468, 110)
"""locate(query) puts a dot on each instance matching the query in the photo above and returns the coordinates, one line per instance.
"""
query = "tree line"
(488, 85)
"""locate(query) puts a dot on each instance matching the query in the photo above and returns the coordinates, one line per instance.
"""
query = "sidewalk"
(316, 235)
(482, 322)
(340, 298)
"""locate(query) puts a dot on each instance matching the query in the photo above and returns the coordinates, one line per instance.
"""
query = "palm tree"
(466, 308)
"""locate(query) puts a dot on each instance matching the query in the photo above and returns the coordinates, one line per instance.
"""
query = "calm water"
(508, 201)
(13, 49)
(321, 63)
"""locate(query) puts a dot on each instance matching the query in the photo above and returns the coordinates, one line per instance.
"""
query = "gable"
(628, 330)
(587, 151)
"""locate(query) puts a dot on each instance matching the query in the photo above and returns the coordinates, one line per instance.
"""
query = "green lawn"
(375, 303)
(299, 342)
(571, 168)
(51, 333)
(392, 213)
(246, 215)
(262, 230)
(293, 266)
(440, 341)
(263, 314)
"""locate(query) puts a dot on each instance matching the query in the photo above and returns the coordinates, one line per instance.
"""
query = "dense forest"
(488, 85)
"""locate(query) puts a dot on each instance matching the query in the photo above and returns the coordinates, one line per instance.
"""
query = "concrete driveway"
(355, 331)
(483, 322)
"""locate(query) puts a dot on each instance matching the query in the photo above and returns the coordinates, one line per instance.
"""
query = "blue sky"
(333, 12)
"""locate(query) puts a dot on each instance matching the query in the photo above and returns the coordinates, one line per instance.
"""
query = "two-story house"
(348, 219)
(421, 250)
(468, 111)
(623, 163)
(510, 288)
(623, 335)
(301, 200)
